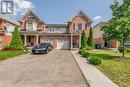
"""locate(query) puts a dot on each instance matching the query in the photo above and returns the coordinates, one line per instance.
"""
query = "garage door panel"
(62, 44)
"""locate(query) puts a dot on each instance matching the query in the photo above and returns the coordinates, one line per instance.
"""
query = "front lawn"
(117, 69)
(8, 54)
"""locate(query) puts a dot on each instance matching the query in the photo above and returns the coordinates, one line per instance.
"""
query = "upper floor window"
(56, 30)
(79, 26)
(31, 24)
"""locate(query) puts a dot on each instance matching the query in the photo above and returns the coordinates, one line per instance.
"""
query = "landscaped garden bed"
(114, 66)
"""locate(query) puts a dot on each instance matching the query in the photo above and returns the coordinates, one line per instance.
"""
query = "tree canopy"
(118, 27)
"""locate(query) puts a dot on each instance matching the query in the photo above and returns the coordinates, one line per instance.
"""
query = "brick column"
(79, 40)
(71, 47)
(37, 39)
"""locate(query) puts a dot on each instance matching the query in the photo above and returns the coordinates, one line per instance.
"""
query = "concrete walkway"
(94, 77)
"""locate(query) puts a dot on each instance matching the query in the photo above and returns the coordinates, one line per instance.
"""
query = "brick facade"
(30, 37)
(98, 38)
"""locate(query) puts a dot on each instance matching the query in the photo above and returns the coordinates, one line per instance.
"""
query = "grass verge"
(117, 69)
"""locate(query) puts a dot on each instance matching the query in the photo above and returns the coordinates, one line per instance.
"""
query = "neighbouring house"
(6, 28)
(98, 38)
(62, 36)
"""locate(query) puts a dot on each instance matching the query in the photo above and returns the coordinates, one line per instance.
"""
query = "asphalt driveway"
(56, 69)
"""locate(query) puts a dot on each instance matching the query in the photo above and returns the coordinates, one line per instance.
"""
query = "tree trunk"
(123, 53)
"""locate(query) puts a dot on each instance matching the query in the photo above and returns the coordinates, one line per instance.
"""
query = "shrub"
(128, 49)
(91, 39)
(81, 51)
(95, 60)
(84, 40)
(16, 42)
(7, 47)
(120, 48)
(85, 54)
(97, 46)
(88, 48)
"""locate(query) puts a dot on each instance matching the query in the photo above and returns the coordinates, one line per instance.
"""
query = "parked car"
(42, 48)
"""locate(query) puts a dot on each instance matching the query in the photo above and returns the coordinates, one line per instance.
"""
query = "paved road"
(56, 69)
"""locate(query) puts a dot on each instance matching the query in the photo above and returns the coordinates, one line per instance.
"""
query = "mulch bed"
(121, 58)
(8, 50)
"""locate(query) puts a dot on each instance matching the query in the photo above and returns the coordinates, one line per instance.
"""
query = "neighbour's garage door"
(62, 44)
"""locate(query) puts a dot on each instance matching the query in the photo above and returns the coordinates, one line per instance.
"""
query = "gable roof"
(31, 12)
(82, 13)
(6, 18)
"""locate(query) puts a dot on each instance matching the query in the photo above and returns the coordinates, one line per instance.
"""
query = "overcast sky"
(62, 11)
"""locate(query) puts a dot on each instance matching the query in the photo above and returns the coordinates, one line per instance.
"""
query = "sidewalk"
(94, 77)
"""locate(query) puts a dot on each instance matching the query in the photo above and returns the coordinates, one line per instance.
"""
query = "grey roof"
(56, 25)
(6, 18)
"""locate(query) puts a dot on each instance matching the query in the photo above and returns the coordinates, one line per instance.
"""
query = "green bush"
(88, 48)
(84, 40)
(85, 54)
(16, 42)
(81, 51)
(95, 60)
(120, 48)
(7, 47)
(97, 46)
(91, 39)
(128, 49)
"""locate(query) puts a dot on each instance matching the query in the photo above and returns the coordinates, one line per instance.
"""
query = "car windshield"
(43, 45)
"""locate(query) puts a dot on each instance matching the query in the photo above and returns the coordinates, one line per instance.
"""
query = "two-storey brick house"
(61, 36)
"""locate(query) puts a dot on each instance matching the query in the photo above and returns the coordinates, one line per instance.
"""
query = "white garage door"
(62, 44)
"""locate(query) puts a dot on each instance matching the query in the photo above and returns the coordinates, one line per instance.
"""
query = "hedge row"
(95, 60)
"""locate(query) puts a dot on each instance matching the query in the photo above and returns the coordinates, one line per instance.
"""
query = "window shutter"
(84, 26)
(73, 26)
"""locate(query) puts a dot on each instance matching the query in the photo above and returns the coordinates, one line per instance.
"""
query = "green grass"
(6, 55)
(116, 69)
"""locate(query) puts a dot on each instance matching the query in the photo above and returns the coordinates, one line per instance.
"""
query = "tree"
(83, 40)
(16, 42)
(119, 26)
(91, 39)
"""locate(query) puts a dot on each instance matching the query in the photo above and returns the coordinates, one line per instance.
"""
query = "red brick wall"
(40, 25)
(99, 41)
(6, 40)
(113, 43)
(79, 19)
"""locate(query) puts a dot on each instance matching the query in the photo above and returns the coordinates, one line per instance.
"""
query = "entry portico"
(31, 38)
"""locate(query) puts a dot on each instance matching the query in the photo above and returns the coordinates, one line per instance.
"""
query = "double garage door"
(59, 43)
